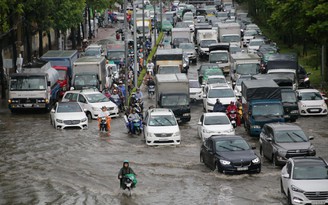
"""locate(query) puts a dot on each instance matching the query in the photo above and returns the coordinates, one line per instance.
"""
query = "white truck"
(140, 28)
(172, 92)
(204, 39)
(36, 87)
(89, 72)
(244, 64)
(229, 33)
(180, 35)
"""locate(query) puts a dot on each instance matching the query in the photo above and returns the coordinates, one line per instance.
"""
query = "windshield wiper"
(161, 124)
(168, 121)
(292, 138)
(227, 148)
(237, 147)
(299, 136)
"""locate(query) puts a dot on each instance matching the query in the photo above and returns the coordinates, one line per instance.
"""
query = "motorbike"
(137, 125)
(129, 182)
(232, 115)
(151, 90)
(118, 101)
(103, 124)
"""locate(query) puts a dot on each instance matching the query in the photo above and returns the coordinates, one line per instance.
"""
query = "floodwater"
(41, 165)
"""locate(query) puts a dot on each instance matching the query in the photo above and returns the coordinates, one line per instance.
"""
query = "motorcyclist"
(231, 107)
(126, 169)
(150, 67)
(104, 113)
(139, 94)
(148, 77)
(132, 117)
(218, 107)
(121, 87)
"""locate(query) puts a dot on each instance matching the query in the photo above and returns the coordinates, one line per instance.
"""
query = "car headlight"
(84, 119)
(208, 131)
(256, 127)
(306, 79)
(323, 105)
(256, 160)
(177, 133)
(96, 109)
(296, 189)
(185, 64)
(186, 114)
(303, 105)
(224, 162)
(231, 130)
(59, 121)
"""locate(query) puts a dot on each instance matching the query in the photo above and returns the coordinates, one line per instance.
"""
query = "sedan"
(311, 102)
(304, 180)
(195, 90)
(280, 141)
(68, 114)
(216, 123)
(229, 154)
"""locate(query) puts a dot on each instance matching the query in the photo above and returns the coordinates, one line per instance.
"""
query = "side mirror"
(311, 137)
(269, 139)
(85, 110)
(285, 175)
(199, 123)
(299, 97)
(48, 83)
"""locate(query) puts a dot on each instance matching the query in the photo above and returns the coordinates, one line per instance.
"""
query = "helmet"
(126, 161)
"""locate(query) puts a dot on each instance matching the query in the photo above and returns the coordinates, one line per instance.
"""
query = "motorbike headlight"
(256, 160)
(59, 121)
(84, 119)
(185, 64)
(296, 189)
(224, 162)
(306, 79)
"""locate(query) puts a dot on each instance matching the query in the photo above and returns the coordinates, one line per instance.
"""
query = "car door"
(211, 154)
(145, 123)
(206, 152)
(264, 141)
(270, 144)
(200, 126)
(285, 180)
(83, 102)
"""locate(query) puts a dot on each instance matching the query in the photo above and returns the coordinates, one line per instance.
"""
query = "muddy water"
(41, 165)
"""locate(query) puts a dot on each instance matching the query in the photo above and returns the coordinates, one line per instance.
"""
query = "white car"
(248, 35)
(304, 180)
(237, 84)
(311, 102)
(68, 114)
(216, 91)
(215, 123)
(254, 45)
(161, 127)
(195, 90)
(92, 101)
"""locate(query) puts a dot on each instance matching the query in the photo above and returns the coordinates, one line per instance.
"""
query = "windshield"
(168, 70)
(228, 39)
(311, 96)
(173, 100)
(289, 97)
(255, 43)
(177, 41)
(218, 57)
(28, 83)
(310, 172)
(96, 97)
(186, 46)
(209, 72)
(216, 80)
(194, 84)
(234, 49)
(92, 52)
(220, 93)
(188, 17)
(116, 55)
(68, 107)
(216, 120)
(162, 120)
(222, 14)
(231, 145)
(166, 23)
(62, 74)
(287, 136)
(81, 80)
(206, 43)
(248, 69)
(268, 109)
(250, 32)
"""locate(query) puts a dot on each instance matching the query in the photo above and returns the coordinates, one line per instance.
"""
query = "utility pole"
(161, 10)
(143, 33)
(154, 30)
(136, 66)
(126, 53)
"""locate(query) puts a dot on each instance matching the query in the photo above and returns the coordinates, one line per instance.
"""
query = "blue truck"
(261, 100)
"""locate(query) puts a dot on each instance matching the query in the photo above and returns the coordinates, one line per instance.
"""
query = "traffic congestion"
(212, 113)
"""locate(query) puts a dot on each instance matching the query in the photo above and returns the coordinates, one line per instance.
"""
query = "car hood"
(224, 101)
(163, 129)
(70, 115)
(312, 102)
(237, 156)
(195, 90)
(100, 104)
(294, 145)
(191, 51)
(218, 128)
(312, 185)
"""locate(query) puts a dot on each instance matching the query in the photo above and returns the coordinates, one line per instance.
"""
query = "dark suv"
(280, 141)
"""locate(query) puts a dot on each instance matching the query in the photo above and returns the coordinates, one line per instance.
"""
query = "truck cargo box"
(260, 89)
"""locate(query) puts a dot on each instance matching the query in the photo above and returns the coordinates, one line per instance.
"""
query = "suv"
(280, 141)
(217, 91)
(304, 180)
(161, 127)
(91, 101)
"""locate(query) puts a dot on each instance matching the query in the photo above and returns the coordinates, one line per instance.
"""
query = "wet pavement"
(41, 165)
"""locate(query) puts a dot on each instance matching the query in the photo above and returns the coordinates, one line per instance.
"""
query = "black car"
(280, 141)
(229, 154)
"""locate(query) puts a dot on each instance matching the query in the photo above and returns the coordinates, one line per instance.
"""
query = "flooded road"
(41, 165)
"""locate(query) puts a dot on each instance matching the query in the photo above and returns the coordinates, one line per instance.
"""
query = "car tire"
(89, 116)
(289, 199)
(274, 160)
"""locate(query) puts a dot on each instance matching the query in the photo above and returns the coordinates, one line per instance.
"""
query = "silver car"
(304, 180)
(189, 49)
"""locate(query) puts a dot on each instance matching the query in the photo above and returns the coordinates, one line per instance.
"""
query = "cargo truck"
(261, 101)
(229, 33)
(172, 91)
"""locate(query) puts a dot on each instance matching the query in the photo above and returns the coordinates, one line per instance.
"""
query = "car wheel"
(89, 116)
(289, 199)
(274, 160)
(281, 188)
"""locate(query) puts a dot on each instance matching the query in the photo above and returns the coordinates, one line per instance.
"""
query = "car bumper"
(300, 198)
(313, 111)
(82, 125)
(163, 140)
(240, 169)
(196, 96)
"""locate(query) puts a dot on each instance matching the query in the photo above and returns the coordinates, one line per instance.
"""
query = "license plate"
(314, 110)
(319, 202)
(27, 105)
(242, 168)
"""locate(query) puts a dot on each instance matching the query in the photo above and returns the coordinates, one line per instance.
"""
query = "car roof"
(219, 86)
(214, 114)
(308, 161)
(225, 137)
(160, 111)
(307, 90)
(87, 91)
(283, 126)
